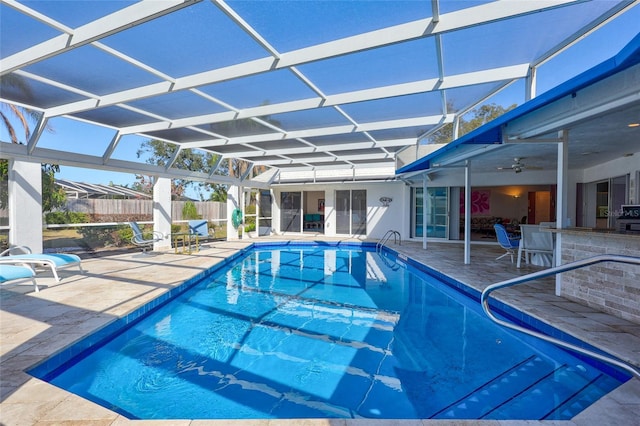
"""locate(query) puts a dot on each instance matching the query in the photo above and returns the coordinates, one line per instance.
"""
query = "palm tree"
(52, 196)
(10, 113)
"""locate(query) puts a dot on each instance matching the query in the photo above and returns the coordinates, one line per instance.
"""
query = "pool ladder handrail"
(484, 300)
(387, 235)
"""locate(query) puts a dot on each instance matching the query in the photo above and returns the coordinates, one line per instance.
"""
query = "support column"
(562, 193)
(530, 84)
(162, 212)
(234, 201)
(424, 211)
(467, 213)
(25, 205)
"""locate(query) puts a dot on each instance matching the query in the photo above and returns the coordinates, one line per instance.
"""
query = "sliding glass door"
(291, 212)
(437, 212)
(351, 212)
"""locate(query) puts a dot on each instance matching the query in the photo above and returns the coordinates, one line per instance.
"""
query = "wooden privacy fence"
(210, 210)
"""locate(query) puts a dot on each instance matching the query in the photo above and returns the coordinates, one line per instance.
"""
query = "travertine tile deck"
(34, 326)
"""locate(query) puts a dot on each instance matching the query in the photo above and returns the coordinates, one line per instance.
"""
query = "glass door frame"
(435, 203)
(357, 217)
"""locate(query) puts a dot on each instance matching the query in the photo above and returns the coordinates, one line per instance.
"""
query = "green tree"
(16, 85)
(53, 196)
(218, 192)
(160, 153)
(189, 211)
(480, 116)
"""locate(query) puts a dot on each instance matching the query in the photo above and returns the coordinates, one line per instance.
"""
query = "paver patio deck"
(34, 326)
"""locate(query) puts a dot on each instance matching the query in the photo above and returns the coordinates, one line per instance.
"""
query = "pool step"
(480, 401)
(548, 395)
(596, 388)
(534, 389)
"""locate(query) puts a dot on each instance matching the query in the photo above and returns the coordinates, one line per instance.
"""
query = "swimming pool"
(305, 330)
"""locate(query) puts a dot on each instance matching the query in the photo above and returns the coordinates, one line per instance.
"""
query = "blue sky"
(93, 140)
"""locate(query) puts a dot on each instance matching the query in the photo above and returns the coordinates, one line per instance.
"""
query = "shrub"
(62, 217)
(57, 218)
(100, 236)
(77, 217)
(189, 211)
(122, 236)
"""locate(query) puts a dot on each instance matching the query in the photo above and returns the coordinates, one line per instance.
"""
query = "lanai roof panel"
(31, 30)
(247, 75)
(37, 93)
(398, 107)
(261, 89)
(384, 66)
(192, 40)
(308, 119)
(77, 12)
(519, 40)
(176, 105)
(93, 70)
(114, 116)
(292, 24)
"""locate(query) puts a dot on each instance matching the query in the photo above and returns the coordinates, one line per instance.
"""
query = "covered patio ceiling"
(297, 87)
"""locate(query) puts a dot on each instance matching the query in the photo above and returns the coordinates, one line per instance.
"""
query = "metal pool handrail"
(387, 235)
(484, 300)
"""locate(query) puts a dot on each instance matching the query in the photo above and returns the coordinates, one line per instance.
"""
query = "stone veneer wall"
(610, 287)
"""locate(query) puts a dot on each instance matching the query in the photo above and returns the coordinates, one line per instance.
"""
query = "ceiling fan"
(519, 166)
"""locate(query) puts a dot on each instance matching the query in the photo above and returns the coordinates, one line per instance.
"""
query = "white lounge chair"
(22, 255)
(536, 241)
(144, 239)
(14, 272)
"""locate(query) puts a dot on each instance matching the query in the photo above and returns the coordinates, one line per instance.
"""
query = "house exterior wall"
(379, 219)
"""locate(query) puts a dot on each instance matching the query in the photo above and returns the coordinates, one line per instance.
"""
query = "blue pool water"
(308, 331)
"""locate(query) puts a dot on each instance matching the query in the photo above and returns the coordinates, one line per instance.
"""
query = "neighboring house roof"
(96, 190)
(499, 131)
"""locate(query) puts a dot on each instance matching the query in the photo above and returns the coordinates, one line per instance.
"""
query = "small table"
(186, 240)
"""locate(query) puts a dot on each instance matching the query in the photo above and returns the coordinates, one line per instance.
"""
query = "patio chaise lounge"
(53, 261)
(14, 272)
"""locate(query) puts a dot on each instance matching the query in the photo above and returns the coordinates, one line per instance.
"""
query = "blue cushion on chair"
(14, 272)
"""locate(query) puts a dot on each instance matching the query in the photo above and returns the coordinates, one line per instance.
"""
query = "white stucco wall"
(379, 219)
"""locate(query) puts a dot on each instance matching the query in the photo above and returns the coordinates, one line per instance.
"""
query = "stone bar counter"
(609, 287)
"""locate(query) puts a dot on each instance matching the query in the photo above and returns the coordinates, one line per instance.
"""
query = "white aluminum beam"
(46, 155)
(508, 73)
(403, 32)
